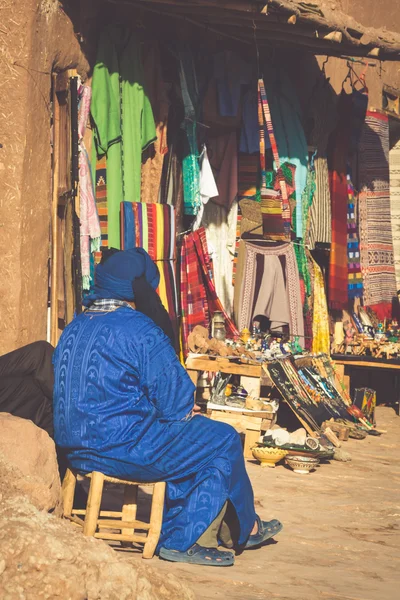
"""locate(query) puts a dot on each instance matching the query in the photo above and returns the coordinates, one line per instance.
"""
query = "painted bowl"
(268, 457)
(302, 464)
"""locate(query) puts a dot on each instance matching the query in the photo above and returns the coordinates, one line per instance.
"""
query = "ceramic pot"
(302, 464)
(268, 457)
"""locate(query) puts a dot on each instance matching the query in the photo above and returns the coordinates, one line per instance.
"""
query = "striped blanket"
(152, 227)
(199, 299)
(376, 242)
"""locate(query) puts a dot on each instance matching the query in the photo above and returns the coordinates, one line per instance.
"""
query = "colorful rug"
(152, 227)
(199, 299)
(394, 166)
(376, 241)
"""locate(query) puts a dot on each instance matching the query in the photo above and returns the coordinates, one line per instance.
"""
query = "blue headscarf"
(113, 279)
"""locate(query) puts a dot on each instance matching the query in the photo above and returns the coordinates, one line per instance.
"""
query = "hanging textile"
(275, 205)
(248, 176)
(224, 161)
(90, 237)
(101, 202)
(153, 158)
(190, 162)
(323, 117)
(289, 133)
(152, 227)
(249, 278)
(199, 299)
(320, 323)
(123, 119)
(208, 187)
(394, 165)
(220, 226)
(353, 245)
(338, 156)
(376, 242)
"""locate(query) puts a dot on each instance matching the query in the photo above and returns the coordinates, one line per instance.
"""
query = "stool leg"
(156, 515)
(68, 492)
(129, 508)
(93, 503)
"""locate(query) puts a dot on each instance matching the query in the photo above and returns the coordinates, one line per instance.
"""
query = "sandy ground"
(341, 536)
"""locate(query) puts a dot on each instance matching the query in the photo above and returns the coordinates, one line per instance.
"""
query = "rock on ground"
(44, 557)
(30, 449)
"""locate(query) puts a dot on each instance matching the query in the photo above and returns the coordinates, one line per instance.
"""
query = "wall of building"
(36, 38)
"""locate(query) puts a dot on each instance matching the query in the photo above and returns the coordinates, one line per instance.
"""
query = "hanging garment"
(338, 156)
(249, 132)
(394, 166)
(320, 322)
(289, 133)
(152, 227)
(199, 299)
(353, 245)
(376, 242)
(271, 300)
(208, 187)
(122, 406)
(230, 72)
(323, 117)
(224, 161)
(90, 237)
(123, 119)
(248, 281)
(153, 158)
(190, 162)
(220, 226)
(249, 176)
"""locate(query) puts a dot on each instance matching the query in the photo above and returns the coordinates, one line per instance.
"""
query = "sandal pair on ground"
(212, 557)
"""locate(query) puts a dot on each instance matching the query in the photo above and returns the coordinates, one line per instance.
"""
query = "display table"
(252, 377)
(344, 364)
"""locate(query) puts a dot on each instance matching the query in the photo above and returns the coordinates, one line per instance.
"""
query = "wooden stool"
(125, 520)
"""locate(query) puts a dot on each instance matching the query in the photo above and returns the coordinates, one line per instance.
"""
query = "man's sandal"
(198, 555)
(266, 531)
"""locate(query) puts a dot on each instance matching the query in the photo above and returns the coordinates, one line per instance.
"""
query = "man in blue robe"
(123, 405)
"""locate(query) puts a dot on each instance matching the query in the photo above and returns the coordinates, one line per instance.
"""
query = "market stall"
(267, 207)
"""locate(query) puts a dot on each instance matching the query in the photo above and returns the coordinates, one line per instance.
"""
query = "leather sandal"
(266, 531)
(198, 555)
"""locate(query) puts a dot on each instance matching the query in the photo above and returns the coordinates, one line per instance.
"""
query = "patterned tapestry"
(394, 166)
(376, 242)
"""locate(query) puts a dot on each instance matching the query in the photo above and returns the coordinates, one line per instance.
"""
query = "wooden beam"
(54, 219)
(334, 36)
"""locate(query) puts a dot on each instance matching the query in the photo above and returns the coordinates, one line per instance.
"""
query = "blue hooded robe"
(122, 406)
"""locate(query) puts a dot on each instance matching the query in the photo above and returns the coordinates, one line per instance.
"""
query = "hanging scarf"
(353, 244)
(90, 234)
(320, 327)
(275, 205)
(339, 142)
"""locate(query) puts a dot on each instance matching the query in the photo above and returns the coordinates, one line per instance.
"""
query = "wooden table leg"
(250, 440)
(194, 375)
